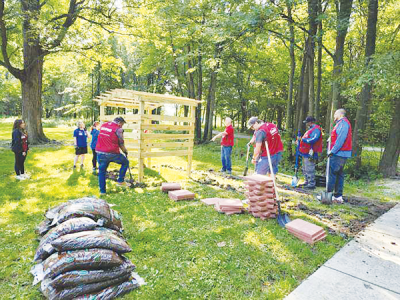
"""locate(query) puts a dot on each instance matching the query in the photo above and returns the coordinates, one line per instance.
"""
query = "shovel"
(282, 219)
(247, 160)
(295, 179)
(326, 197)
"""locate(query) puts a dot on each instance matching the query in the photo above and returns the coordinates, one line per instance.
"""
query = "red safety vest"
(228, 139)
(347, 145)
(317, 146)
(273, 138)
(108, 139)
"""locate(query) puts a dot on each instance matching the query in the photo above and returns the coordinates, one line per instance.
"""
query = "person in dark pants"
(339, 152)
(95, 134)
(227, 142)
(109, 143)
(310, 146)
(80, 143)
(19, 146)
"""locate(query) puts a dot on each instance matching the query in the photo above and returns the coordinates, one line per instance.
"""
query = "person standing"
(227, 143)
(109, 143)
(95, 134)
(339, 152)
(310, 146)
(20, 147)
(270, 133)
(80, 143)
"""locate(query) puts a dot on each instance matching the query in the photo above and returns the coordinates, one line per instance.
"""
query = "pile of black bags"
(80, 254)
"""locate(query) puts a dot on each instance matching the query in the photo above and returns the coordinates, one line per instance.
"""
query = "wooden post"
(141, 142)
(191, 133)
(148, 122)
(102, 114)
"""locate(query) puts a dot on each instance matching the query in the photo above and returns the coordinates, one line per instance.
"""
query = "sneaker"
(222, 171)
(20, 177)
(123, 184)
(229, 172)
(319, 198)
(337, 200)
(103, 194)
(26, 176)
(74, 166)
(82, 166)
(94, 169)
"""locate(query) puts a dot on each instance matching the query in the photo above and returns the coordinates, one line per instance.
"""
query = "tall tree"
(343, 12)
(365, 97)
(41, 35)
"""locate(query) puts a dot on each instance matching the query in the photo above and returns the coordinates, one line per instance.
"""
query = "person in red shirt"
(270, 133)
(227, 142)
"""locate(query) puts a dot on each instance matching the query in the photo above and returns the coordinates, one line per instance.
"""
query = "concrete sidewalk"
(368, 267)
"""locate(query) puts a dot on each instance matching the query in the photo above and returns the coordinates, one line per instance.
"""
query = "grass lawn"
(182, 249)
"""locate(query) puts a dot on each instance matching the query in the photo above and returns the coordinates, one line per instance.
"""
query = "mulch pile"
(80, 254)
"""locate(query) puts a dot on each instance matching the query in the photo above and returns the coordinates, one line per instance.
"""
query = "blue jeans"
(104, 160)
(262, 165)
(336, 175)
(226, 152)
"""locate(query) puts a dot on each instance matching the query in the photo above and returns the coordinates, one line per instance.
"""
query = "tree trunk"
(31, 83)
(343, 10)
(319, 64)
(289, 111)
(313, 25)
(389, 162)
(362, 111)
(300, 93)
(210, 106)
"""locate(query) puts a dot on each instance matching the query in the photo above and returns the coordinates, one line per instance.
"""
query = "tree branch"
(4, 42)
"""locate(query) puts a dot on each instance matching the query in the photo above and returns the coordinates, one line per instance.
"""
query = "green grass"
(176, 245)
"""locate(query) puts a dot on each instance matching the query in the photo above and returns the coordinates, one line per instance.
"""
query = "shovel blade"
(283, 220)
(326, 197)
(295, 181)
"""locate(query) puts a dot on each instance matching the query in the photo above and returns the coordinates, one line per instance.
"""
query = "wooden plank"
(155, 136)
(168, 145)
(167, 127)
(165, 153)
(132, 153)
(140, 154)
(127, 118)
(167, 118)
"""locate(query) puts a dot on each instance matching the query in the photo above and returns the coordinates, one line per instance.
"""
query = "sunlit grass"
(182, 249)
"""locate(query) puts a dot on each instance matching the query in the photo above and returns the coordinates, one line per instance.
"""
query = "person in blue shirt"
(95, 134)
(80, 143)
(339, 152)
(310, 146)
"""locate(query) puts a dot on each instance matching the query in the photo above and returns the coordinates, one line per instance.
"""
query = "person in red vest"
(110, 141)
(310, 146)
(270, 133)
(227, 142)
(339, 152)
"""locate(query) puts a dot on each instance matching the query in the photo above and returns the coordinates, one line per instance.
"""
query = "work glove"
(126, 153)
(330, 153)
(311, 152)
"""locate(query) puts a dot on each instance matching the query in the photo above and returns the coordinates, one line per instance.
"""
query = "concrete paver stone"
(181, 195)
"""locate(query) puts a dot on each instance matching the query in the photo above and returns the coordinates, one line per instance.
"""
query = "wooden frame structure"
(147, 134)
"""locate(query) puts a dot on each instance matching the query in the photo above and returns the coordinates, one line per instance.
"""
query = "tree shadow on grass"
(73, 179)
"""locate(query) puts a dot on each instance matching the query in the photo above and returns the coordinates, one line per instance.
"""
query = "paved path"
(366, 268)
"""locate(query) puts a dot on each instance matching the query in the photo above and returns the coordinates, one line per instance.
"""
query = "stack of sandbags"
(170, 186)
(261, 196)
(306, 231)
(179, 195)
(229, 206)
(81, 253)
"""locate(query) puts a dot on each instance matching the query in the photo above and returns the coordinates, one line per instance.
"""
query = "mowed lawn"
(181, 249)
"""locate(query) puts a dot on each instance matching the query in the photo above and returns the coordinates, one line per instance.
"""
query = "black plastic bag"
(45, 249)
(74, 278)
(82, 289)
(112, 292)
(90, 240)
(90, 259)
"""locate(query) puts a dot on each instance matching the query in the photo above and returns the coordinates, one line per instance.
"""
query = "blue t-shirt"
(81, 137)
(95, 135)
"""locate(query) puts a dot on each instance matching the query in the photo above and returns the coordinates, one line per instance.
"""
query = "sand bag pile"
(80, 255)
(261, 195)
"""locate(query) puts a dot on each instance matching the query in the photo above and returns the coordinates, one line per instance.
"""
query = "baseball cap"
(119, 120)
(251, 122)
(309, 119)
